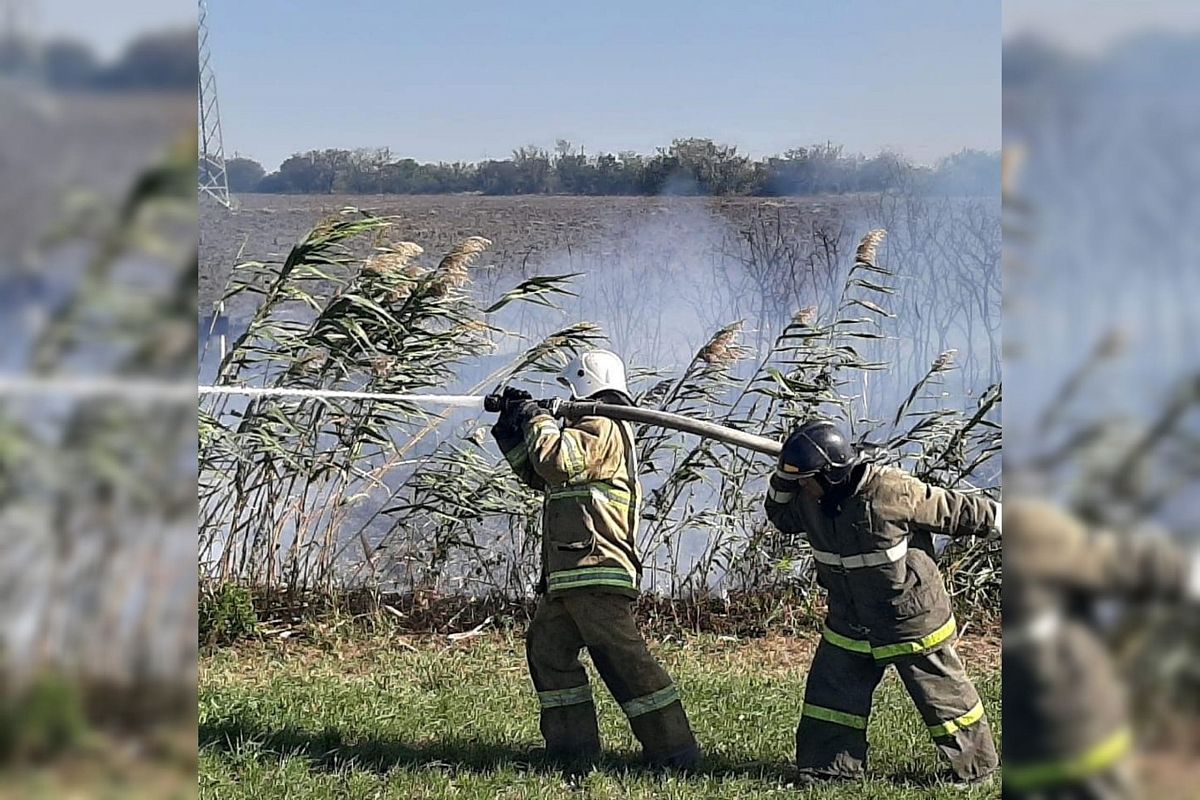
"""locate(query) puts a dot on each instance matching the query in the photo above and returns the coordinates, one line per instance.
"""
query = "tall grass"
(306, 495)
(96, 493)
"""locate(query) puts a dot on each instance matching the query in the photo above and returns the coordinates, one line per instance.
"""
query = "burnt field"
(527, 232)
(57, 149)
(661, 275)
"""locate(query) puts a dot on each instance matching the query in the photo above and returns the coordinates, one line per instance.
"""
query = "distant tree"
(300, 174)
(881, 172)
(967, 172)
(244, 174)
(275, 183)
(532, 170)
(156, 61)
(17, 55)
(573, 174)
(688, 166)
(68, 64)
(713, 168)
(498, 177)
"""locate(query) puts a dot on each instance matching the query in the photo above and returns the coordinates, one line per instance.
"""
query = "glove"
(507, 424)
(512, 395)
(523, 412)
(783, 484)
(518, 408)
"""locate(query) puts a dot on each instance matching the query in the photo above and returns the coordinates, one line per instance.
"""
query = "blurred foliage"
(97, 628)
(159, 61)
(46, 720)
(227, 614)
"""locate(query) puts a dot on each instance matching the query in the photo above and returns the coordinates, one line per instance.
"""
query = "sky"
(107, 25)
(1087, 27)
(470, 80)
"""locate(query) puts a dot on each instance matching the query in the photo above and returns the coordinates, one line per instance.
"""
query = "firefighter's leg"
(568, 715)
(831, 739)
(951, 708)
(1066, 781)
(638, 682)
(1114, 783)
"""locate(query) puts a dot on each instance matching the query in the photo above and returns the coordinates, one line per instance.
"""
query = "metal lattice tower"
(18, 53)
(213, 180)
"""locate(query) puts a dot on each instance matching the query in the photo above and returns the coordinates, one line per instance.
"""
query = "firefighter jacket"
(1065, 704)
(588, 472)
(874, 555)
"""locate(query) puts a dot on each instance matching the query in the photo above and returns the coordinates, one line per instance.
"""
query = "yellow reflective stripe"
(572, 454)
(518, 455)
(1099, 758)
(836, 717)
(845, 642)
(590, 576)
(958, 723)
(605, 493)
(540, 427)
(557, 698)
(650, 702)
(919, 646)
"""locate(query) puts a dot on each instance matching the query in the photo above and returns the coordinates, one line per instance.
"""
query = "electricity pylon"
(213, 180)
(19, 53)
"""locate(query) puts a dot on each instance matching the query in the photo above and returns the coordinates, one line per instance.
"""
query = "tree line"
(159, 61)
(688, 167)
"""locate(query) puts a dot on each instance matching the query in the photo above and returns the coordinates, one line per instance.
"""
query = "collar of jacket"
(831, 502)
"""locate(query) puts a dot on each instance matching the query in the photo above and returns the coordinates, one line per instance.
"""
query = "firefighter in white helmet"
(590, 570)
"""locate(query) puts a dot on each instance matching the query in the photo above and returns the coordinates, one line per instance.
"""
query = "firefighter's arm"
(946, 511)
(511, 441)
(1148, 565)
(780, 509)
(566, 455)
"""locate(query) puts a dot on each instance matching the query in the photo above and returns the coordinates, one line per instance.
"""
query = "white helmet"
(595, 371)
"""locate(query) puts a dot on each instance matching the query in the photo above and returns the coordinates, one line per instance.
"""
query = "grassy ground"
(153, 765)
(394, 717)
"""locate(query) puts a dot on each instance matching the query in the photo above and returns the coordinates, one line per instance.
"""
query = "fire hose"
(22, 386)
(576, 409)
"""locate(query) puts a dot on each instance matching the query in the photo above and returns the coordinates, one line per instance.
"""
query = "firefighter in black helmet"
(870, 528)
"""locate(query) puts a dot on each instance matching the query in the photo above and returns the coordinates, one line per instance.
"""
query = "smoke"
(660, 276)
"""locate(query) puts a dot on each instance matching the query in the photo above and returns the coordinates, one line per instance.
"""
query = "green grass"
(388, 717)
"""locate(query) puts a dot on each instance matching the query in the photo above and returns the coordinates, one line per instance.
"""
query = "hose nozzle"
(498, 401)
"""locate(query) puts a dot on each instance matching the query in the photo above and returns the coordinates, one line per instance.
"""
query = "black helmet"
(819, 448)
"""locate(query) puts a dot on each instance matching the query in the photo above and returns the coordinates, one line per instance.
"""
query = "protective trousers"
(603, 623)
(831, 739)
(1114, 783)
